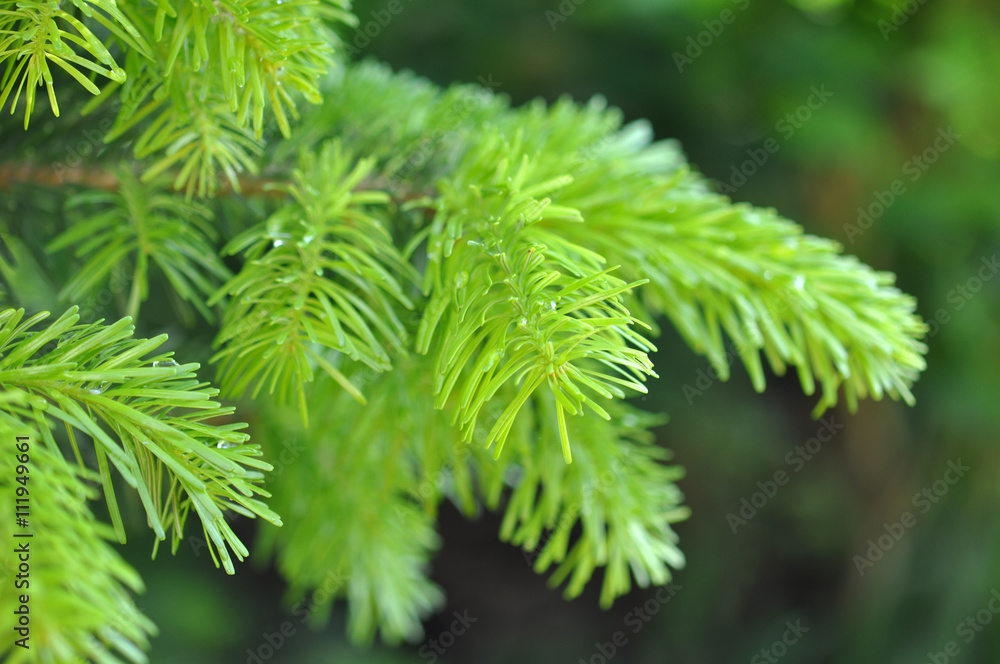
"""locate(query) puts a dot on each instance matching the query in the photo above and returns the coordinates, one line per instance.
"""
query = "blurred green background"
(825, 110)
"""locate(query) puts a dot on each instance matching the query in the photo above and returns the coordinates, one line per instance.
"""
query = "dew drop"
(165, 363)
(768, 275)
(494, 358)
(278, 243)
(800, 282)
(224, 445)
(552, 305)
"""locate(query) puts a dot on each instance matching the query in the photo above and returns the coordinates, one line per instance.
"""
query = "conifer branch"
(618, 490)
(79, 586)
(141, 225)
(145, 417)
(359, 516)
(321, 274)
(714, 267)
(555, 311)
(537, 249)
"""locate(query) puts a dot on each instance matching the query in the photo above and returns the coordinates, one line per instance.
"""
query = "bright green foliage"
(197, 73)
(717, 267)
(74, 571)
(321, 273)
(512, 287)
(33, 34)
(617, 489)
(146, 417)
(458, 296)
(371, 542)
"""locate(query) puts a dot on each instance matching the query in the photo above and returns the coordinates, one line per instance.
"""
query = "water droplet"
(671, 209)
(165, 363)
(221, 444)
(768, 275)
(307, 239)
(278, 243)
(493, 359)
(523, 321)
(552, 305)
(800, 282)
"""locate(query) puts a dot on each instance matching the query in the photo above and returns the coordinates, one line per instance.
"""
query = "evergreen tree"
(412, 294)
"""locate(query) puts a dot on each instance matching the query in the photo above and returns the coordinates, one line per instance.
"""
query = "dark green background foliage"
(882, 136)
